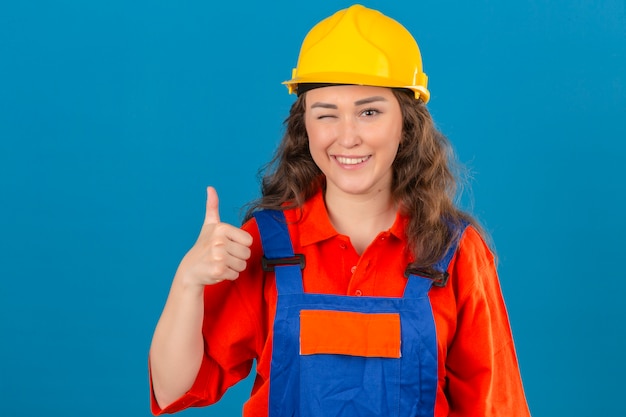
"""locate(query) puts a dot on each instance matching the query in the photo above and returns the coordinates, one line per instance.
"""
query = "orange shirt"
(477, 365)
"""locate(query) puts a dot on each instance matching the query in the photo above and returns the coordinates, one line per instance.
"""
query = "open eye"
(370, 112)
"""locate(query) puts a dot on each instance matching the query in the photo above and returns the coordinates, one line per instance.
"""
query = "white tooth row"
(350, 161)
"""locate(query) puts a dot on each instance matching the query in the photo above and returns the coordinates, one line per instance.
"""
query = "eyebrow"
(357, 103)
(369, 100)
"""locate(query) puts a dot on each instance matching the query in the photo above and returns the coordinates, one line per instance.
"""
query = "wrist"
(186, 285)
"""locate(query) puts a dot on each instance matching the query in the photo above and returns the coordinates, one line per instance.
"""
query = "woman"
(355, 283)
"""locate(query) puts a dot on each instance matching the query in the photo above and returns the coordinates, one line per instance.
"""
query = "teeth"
(351, 161)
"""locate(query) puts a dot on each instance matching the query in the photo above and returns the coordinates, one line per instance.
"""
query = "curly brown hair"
(424, 181)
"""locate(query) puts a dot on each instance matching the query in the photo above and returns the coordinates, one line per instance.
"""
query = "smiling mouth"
(351, 161)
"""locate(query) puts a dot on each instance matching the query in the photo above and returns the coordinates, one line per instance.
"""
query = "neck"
(361, 217)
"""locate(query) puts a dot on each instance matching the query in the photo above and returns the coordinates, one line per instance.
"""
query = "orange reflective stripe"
(350, 333)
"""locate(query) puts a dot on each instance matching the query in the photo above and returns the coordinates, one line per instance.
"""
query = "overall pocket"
(349, 363)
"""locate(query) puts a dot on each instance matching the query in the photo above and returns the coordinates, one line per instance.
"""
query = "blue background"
(115, 115)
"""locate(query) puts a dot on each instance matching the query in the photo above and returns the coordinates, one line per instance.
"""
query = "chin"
(354, 189)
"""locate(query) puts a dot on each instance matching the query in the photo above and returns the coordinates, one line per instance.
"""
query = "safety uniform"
(346, 356)
(472, 371)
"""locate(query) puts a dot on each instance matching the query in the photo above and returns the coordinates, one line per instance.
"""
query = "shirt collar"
(315, 225)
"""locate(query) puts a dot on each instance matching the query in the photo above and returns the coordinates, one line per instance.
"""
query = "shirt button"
(343, 245)
(353, 269)
(358, 293)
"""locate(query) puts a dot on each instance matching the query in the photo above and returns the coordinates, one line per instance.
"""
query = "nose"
(348, 134)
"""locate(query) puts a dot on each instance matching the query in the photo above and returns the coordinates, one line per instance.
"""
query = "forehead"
(346, 93)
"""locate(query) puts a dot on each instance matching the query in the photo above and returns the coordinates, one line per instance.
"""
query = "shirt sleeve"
(232, 328)
(483, 377)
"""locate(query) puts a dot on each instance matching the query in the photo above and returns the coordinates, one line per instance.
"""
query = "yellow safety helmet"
(360, 46)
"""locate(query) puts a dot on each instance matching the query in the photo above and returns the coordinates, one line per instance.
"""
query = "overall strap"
(278, 251)
(442, 265)
(419, 287)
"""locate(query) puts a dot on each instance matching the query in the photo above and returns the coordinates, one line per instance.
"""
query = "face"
(354, 133)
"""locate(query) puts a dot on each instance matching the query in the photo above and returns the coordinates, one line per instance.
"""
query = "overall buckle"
(439, 279)
(270, 264)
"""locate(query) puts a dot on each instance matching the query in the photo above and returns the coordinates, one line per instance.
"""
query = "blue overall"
(329, 384)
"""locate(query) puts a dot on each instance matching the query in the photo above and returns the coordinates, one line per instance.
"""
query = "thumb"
(212, 215)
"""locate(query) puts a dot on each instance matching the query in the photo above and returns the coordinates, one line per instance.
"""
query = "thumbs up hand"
(221, 251)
